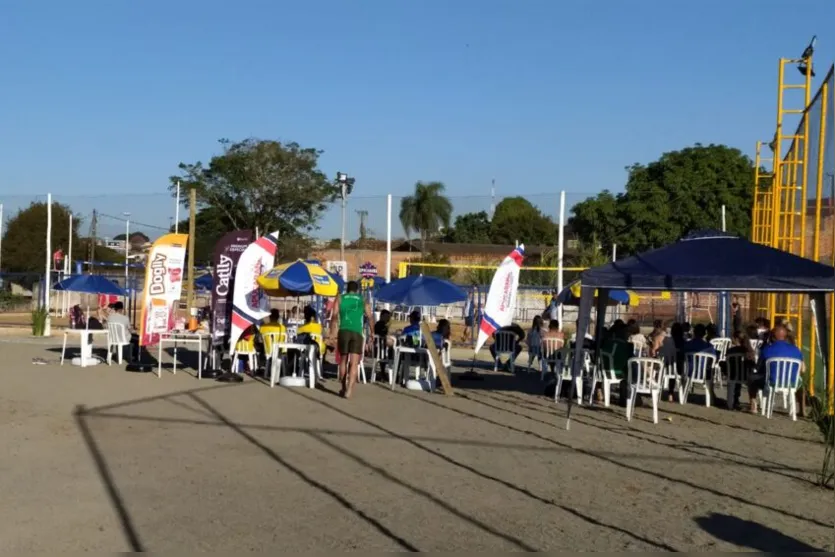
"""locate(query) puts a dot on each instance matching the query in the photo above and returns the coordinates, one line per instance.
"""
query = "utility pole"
(91, 248)
(346, 186)
(1, 236)
(192, 213)
(363, 214)
(127, 246)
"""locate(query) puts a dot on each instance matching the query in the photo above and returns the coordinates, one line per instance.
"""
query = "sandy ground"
(103, 459)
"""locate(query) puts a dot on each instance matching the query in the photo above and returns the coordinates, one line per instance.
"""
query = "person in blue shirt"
(698, 344)
(779, 347)
(441, 333)
(411, 332)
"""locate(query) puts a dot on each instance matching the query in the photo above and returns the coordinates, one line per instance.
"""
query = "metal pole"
(342, 241)
(65, 307)
(1, 236)
(69, 250)
(177, 211)
(561, 254)
(192, 213)
(614, 252)
(127, 246)
(47, 331)
(724, 229)
(388, 237)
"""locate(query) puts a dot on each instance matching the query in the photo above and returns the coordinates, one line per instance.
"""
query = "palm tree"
(426, 211)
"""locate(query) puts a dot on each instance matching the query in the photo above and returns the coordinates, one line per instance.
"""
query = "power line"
(122, 219)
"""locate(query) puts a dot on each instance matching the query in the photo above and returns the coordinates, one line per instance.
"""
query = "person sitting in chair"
(411, 332)
(116, 315)
(520, 336)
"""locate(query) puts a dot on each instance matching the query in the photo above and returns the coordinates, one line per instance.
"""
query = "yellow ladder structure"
(762, 217)
(788, 202)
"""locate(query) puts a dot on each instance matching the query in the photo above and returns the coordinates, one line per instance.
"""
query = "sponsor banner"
(501, 299)
(163, 287)
(250, 303)
(228, 251)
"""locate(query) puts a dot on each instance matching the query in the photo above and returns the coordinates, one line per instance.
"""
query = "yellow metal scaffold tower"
(762, 216)
(788, 188)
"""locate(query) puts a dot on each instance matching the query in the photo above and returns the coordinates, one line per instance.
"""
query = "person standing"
(348, 315)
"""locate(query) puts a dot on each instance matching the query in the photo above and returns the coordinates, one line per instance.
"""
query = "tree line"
(272, 185)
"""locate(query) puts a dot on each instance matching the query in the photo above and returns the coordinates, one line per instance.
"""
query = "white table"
(86, 358)
(307, 351)
(399, 351)
(178, 338)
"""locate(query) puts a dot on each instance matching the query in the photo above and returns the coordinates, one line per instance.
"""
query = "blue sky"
(101, 99)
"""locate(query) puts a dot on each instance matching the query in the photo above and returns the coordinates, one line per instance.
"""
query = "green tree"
(597, 218)
(101, 254)
(681, 192)
(210, 224)
(446, 272)
(591, 254)
(516, 219)
(426, 211)
(470, 228)
(24, 241)
(262, 185)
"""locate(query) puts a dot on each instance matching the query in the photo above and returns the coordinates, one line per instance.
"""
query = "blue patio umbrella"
(338, 280)
(421, 291)
(205, 282)
(89, 284)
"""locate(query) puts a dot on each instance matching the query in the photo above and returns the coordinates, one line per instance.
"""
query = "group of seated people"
(308, 330)
(624, 340)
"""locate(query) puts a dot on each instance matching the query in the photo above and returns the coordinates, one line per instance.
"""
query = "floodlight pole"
(343, 193)
(47, 330)
(560, 254)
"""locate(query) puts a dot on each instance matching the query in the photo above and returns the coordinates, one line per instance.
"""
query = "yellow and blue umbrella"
(570, 296)
(300, 278)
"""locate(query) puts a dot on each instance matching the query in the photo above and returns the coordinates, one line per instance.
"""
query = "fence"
(794, 208)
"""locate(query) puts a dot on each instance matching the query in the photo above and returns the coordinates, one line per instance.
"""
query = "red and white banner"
(249, 302)
(501, 299)
(163, 287)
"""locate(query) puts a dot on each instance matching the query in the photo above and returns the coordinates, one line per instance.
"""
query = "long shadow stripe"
(474, 471)
(630, 467)
(113, 493)
(303, 476)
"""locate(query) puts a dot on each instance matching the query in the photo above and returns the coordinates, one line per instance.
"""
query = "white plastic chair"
(565, 375)
(644, 377)
(505, 346)
(696, 366)
(276, 358)
(315, 364)
(446, 355)
(756, 346)
(737, 374)
(604, 374)
(782, 369)
(670, 374)
(380, 356)
(721, 346)
(273, 356)
(550, 354)
(118, 336)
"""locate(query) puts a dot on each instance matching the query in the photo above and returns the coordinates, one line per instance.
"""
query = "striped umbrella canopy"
(299, 278)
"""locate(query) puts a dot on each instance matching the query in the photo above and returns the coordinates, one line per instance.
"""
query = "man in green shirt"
(348, 313)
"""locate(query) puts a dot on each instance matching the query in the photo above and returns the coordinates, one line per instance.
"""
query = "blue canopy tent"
(421, 291)
(706, 261)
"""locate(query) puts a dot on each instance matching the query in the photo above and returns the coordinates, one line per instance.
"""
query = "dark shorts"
(349, 342)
